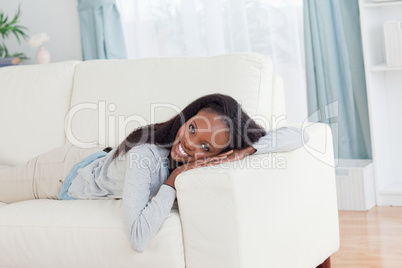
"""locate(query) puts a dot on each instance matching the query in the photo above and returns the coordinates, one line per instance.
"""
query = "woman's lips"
(180, 151)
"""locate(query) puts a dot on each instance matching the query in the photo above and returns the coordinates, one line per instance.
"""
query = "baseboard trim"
(389, 200)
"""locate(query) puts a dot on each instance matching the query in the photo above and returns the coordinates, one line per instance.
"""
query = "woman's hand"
(204, 162)
(238, 154)
(229, 156)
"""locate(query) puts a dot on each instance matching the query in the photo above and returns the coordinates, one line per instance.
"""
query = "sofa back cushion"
(34, 100)
(113, 97)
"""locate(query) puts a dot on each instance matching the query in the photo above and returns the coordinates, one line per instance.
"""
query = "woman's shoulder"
(146, 155)
(149, 149)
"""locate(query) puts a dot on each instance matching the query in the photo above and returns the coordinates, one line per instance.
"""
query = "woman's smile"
(180, 151)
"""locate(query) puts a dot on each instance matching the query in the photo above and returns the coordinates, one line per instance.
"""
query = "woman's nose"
(189, 144)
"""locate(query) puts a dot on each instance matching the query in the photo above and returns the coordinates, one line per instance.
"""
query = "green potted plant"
(10, 28)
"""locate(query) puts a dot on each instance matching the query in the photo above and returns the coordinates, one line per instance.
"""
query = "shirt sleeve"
(144, 216)
(283, 139)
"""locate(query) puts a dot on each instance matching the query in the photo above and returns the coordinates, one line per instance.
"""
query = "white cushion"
(106, 89)
(4, 167)
(52, 233)
(34, 100)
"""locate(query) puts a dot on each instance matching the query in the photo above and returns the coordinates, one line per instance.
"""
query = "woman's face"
(203, 135)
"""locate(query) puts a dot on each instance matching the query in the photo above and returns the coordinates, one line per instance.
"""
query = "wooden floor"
(370, 239)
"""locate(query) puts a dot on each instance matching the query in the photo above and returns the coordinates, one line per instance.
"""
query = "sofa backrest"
(99, 102)
(113, 97)
(34, 100)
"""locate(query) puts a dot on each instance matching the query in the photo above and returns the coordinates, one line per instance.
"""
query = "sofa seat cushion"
(81, 233)
(34, 100)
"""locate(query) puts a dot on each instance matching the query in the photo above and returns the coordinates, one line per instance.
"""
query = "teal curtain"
(336, 87)
(101, 30)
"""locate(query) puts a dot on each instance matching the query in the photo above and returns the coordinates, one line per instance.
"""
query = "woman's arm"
(284, 139)
(144, 217)
(204, 162)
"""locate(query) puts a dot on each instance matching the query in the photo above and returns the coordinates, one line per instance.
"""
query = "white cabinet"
(384, 93)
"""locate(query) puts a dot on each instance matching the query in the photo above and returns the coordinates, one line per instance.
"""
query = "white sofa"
(237, 215)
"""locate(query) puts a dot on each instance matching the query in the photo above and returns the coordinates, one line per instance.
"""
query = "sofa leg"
(325, 264)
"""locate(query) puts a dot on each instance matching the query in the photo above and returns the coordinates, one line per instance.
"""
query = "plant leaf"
(21, 55)
(16, 35)
(11, 27)
(16, 15)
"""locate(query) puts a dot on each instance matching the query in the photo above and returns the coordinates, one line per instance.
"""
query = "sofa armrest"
(269, 210)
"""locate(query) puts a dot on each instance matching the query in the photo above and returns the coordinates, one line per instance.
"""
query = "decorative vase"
(42, 56)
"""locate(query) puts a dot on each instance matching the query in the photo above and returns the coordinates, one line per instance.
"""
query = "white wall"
(58, 18)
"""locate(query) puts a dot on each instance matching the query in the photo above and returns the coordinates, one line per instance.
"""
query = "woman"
(142, 170)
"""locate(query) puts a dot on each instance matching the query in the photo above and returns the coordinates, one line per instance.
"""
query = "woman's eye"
(192, 128)
(205, 147)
